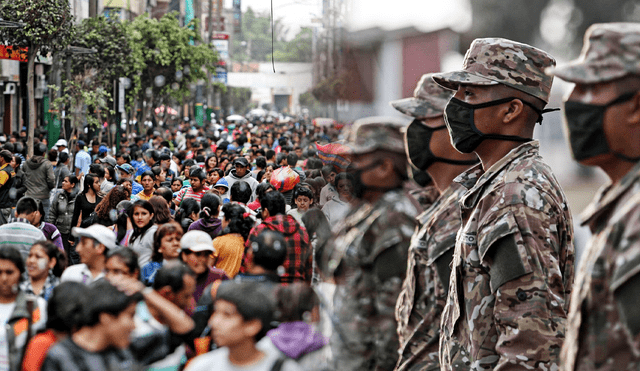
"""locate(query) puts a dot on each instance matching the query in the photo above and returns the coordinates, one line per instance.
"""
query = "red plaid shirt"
(298, 264)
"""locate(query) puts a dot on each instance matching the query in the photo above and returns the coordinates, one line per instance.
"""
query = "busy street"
(319, 185)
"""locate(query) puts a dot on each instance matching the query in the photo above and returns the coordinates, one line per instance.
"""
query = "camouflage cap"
(610, 51)
(502, 61)
(376, 133)
(429, 99)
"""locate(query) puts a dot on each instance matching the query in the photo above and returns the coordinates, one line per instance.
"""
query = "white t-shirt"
(5, 314)
(219, 360)
(79, 273)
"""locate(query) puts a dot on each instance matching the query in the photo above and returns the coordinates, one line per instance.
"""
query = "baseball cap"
(81, 143)
(196, 241)
(61, 142)
(376, 133)
(429, 99)
(99, 233)
(222, 183)
(126, 168)
(109, 160)
(103, 149)
(493, 61)
(241, 161)
(610, 51)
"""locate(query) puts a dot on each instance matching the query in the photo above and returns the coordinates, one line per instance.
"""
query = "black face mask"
(585, 123)
(418, 139)
(465, 136)
(359, 188)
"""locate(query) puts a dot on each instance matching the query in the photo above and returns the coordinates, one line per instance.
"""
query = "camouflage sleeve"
(522, 250)
(389, 269)
(625, 270)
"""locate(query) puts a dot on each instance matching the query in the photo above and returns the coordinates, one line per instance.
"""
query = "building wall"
(420, 55)
(290, 79)
(396, 60)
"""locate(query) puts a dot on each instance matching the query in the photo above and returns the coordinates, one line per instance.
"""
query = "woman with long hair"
(166, 247)
(85, 205)
(160, 177)
(45, 264)
(87, 201)
(187, 213)
(123, 226)
(161, 209)
(127, 184)
(141, 240)
(210, 163)
(106, 210)
(209, 210)
(229, 247)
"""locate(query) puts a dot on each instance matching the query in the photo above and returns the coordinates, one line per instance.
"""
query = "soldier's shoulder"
(531, 183)
(397, 203)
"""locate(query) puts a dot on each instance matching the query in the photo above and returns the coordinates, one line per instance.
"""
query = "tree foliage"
(296, 50)
(47, 24)
(162, 48)
(47, 27)
(113, 56)
(238, 98)
(254, 43)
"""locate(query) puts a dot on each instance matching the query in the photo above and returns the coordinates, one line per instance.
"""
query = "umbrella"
(257, 112)
(235, 118)
(323, 121)
(333, 154)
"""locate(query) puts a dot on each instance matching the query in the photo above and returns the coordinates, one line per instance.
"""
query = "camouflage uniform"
(425, 287)
(423, 293)
(603, 331)
(369, 247)
(513, 262)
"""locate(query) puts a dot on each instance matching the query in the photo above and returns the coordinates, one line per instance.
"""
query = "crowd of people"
(155, 234)
(240, 247)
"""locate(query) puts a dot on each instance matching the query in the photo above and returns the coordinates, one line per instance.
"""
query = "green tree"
(47, 27)
(97, 72)
(296, 50)
(254, 43)
(238, 98)
(163, 48)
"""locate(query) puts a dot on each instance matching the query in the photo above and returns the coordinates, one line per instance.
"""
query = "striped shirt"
(185, 193)
(19, 233)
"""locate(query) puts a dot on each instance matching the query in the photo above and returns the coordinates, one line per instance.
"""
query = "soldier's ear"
(634, 114)
(512, 111)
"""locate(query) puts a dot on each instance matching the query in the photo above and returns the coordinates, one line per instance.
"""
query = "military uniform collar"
(470, 199)
(426, 215)
(609, 194)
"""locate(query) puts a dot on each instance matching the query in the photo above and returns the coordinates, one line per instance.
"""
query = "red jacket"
(298, 264)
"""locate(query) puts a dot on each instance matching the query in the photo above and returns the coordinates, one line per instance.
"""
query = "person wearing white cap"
(197, 252)
(94, 243)
(61, 146)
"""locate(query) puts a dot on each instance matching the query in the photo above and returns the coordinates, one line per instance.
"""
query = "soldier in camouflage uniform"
(513, 262)
(425, 287)
(369, 254)
(602, 115)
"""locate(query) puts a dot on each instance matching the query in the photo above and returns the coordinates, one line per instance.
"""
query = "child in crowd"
(241, 317)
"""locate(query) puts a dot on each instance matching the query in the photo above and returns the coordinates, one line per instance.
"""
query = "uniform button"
(522, 296)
